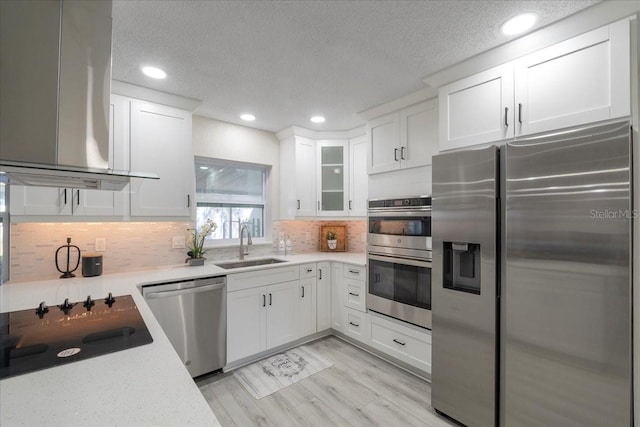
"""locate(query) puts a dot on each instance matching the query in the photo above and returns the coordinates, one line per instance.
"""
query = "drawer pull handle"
(395, 154)
(298, 204)
(399, 342)
(270, 299)
(303, 292)
(354, 324)
(355, 295)
(354, 271)
(520, 113)
(320, 273)
(309, 270)
(264, 300)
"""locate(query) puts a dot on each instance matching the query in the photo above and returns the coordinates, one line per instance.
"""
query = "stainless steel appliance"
(193, 315)
(532, 281)
(55, 85)
(399, 259)
(45, 337)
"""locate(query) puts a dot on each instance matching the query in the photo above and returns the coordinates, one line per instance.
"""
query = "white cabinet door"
(246, 326)
(383, 136)
(358, 177)
(333, 177)
(477, 109)
(418, 134)
(581, 80)
(307, 293)
(305, 179)
(40, 201)
(337, 296)
(282, 313)
(161, 144)
(323, 296)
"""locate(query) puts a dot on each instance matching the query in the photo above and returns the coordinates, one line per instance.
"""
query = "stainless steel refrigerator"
(532, 281)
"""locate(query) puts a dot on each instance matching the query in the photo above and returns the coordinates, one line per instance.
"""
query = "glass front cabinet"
(333, 178)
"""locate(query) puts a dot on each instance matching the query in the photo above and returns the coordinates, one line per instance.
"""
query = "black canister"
(91, 265)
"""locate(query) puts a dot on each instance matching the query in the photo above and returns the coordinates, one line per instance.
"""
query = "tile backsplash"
(132, 246)
(305, 235)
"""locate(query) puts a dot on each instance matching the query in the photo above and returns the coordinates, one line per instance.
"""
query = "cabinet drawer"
(355, 294)
(357, 272)
(356, 325)
(262, 277)
(410, 345)
(308, 270)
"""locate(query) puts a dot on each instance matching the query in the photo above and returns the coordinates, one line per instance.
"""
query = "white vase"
(332, 244)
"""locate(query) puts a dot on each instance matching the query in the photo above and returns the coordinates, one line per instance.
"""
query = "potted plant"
(195, 242)
(332, 242)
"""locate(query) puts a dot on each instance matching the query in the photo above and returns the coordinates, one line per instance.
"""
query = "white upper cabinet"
(161, 144)
(477, 109)
(581, 80)
(297, 177)
(384, 140)
(358, 178)
(403, 139)
(418, 134)
(332, 177)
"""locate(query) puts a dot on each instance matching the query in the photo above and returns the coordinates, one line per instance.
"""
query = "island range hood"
(55, 84)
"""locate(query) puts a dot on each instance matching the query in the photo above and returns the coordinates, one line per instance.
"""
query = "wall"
(221, 140)
(305, 235)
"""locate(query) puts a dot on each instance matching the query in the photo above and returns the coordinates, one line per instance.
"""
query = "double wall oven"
(399, 259)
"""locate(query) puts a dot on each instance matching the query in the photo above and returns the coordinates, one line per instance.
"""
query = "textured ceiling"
(287, 60)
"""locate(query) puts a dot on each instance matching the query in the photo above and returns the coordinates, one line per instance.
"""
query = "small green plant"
(195, 239)
(330, 235)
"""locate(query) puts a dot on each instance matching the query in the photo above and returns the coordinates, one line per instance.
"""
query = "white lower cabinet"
(405, 342)
(307, 322)
(356, 325)
(323, 296)
(337, 296)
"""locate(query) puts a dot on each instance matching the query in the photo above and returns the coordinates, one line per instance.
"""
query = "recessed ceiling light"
(519, 24)
(247, 117)
(154, 72)
(317, 119)
(204, 168)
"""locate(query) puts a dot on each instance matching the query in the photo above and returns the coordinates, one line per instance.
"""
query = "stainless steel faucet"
(244, 250)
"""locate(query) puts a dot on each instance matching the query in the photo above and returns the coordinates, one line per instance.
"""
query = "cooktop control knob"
(88, 303)
(66, 306)
(109, 300)
(42, 309)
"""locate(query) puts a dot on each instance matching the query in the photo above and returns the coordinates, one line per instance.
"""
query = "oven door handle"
(399, 260)
(393, 213)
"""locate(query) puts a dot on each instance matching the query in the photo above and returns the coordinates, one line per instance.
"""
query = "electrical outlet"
(101, 244)
(178, 242)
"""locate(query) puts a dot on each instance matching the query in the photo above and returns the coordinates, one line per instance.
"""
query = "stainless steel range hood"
(55, 85)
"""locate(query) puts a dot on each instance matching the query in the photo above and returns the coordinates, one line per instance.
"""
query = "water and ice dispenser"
(461, 269)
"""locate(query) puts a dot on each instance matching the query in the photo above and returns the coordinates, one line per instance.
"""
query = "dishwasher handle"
(177, 292)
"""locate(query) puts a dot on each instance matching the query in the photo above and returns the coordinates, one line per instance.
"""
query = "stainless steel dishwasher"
(193, 314)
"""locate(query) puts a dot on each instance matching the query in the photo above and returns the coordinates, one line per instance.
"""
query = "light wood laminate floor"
(358, 390)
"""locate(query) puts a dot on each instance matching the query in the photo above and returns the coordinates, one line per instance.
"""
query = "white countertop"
(142, 386)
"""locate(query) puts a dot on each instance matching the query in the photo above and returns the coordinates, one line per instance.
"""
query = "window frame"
(236, 201)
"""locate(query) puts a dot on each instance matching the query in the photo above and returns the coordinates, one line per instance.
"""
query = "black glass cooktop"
(44, 337)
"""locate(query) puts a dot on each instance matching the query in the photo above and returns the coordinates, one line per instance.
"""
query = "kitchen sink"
(249, 263)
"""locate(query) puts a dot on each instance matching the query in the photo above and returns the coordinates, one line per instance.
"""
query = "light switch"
(101, 244)
(178, 242)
